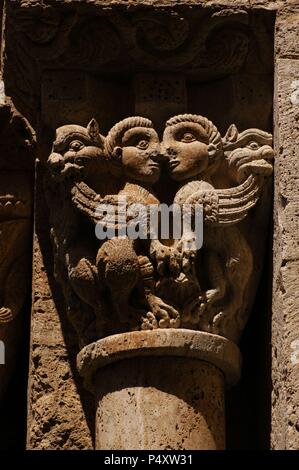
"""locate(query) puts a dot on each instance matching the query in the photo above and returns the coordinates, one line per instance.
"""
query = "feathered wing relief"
(115, 282)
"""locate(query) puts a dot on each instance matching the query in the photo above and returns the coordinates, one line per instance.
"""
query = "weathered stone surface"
(206, 347)
(56, 418)
(285, 327)
(98, 279)
(16, 168)
(142, 400)
(117, 279)
(240, 93)
(162, 3)
(168, 403)
(286, 36)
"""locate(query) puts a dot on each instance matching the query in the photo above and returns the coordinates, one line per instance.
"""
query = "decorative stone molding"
(201, 44)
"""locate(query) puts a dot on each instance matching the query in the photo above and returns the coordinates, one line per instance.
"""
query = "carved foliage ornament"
(121, 284)
(40, 37)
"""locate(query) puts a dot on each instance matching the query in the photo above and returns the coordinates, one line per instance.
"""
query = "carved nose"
(267, 152)
(166, 152)
(55, 160)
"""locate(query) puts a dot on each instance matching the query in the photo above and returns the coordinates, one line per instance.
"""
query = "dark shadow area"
(248, 413)
(69, 335)
(13, 409)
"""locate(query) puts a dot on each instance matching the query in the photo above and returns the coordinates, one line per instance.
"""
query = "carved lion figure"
(77, 155)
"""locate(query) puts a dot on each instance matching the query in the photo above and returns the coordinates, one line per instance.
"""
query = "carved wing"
(234, 203)
(228, 206)
(93, 206)
(87, 201)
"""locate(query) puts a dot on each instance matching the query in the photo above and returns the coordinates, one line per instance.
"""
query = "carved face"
(139, 153)
(248, 152)
(186, 147)
(77, 151)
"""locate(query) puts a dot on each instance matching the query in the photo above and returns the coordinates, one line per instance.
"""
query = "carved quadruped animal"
(77, 155)
(194, 149)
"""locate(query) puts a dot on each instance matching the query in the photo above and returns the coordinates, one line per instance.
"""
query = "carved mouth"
(174, 163)
(154, 165)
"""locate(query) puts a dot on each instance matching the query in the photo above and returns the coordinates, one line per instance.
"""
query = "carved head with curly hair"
(134, 146)
(192, 145)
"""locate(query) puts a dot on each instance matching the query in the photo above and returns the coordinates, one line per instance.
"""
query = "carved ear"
(93, 129)
(231, 134)
(117, 153)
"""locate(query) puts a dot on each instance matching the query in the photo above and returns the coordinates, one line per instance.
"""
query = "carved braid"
(211, 130)
(116, 133)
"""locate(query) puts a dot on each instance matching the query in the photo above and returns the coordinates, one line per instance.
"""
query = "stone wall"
(285, 302)
(60, 412)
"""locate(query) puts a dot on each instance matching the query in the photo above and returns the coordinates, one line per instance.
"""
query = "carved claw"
(194, 311)
(165, 315)
(5, 315)
(212, 295)
(149, 322)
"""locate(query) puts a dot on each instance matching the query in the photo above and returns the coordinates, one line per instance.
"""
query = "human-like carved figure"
(133, 149)
(194, 148)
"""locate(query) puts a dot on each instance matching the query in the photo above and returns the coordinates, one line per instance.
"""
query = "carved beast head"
(248, 152)
(77, 152)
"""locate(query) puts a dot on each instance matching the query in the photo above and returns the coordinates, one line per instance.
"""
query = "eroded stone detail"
(200, 44)
(121, 284)
(16, 165)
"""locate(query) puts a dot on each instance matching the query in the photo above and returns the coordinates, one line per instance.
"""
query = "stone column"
(161, 389)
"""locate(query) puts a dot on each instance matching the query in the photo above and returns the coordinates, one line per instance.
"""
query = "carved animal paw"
(5, 315)
(149, 322)
(194, 311)
(165, 315)
(212, 295)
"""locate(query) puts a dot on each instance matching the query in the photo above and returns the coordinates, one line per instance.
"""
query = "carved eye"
(253, 145)
(76, 145)
(188, 137)
(142, 144)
